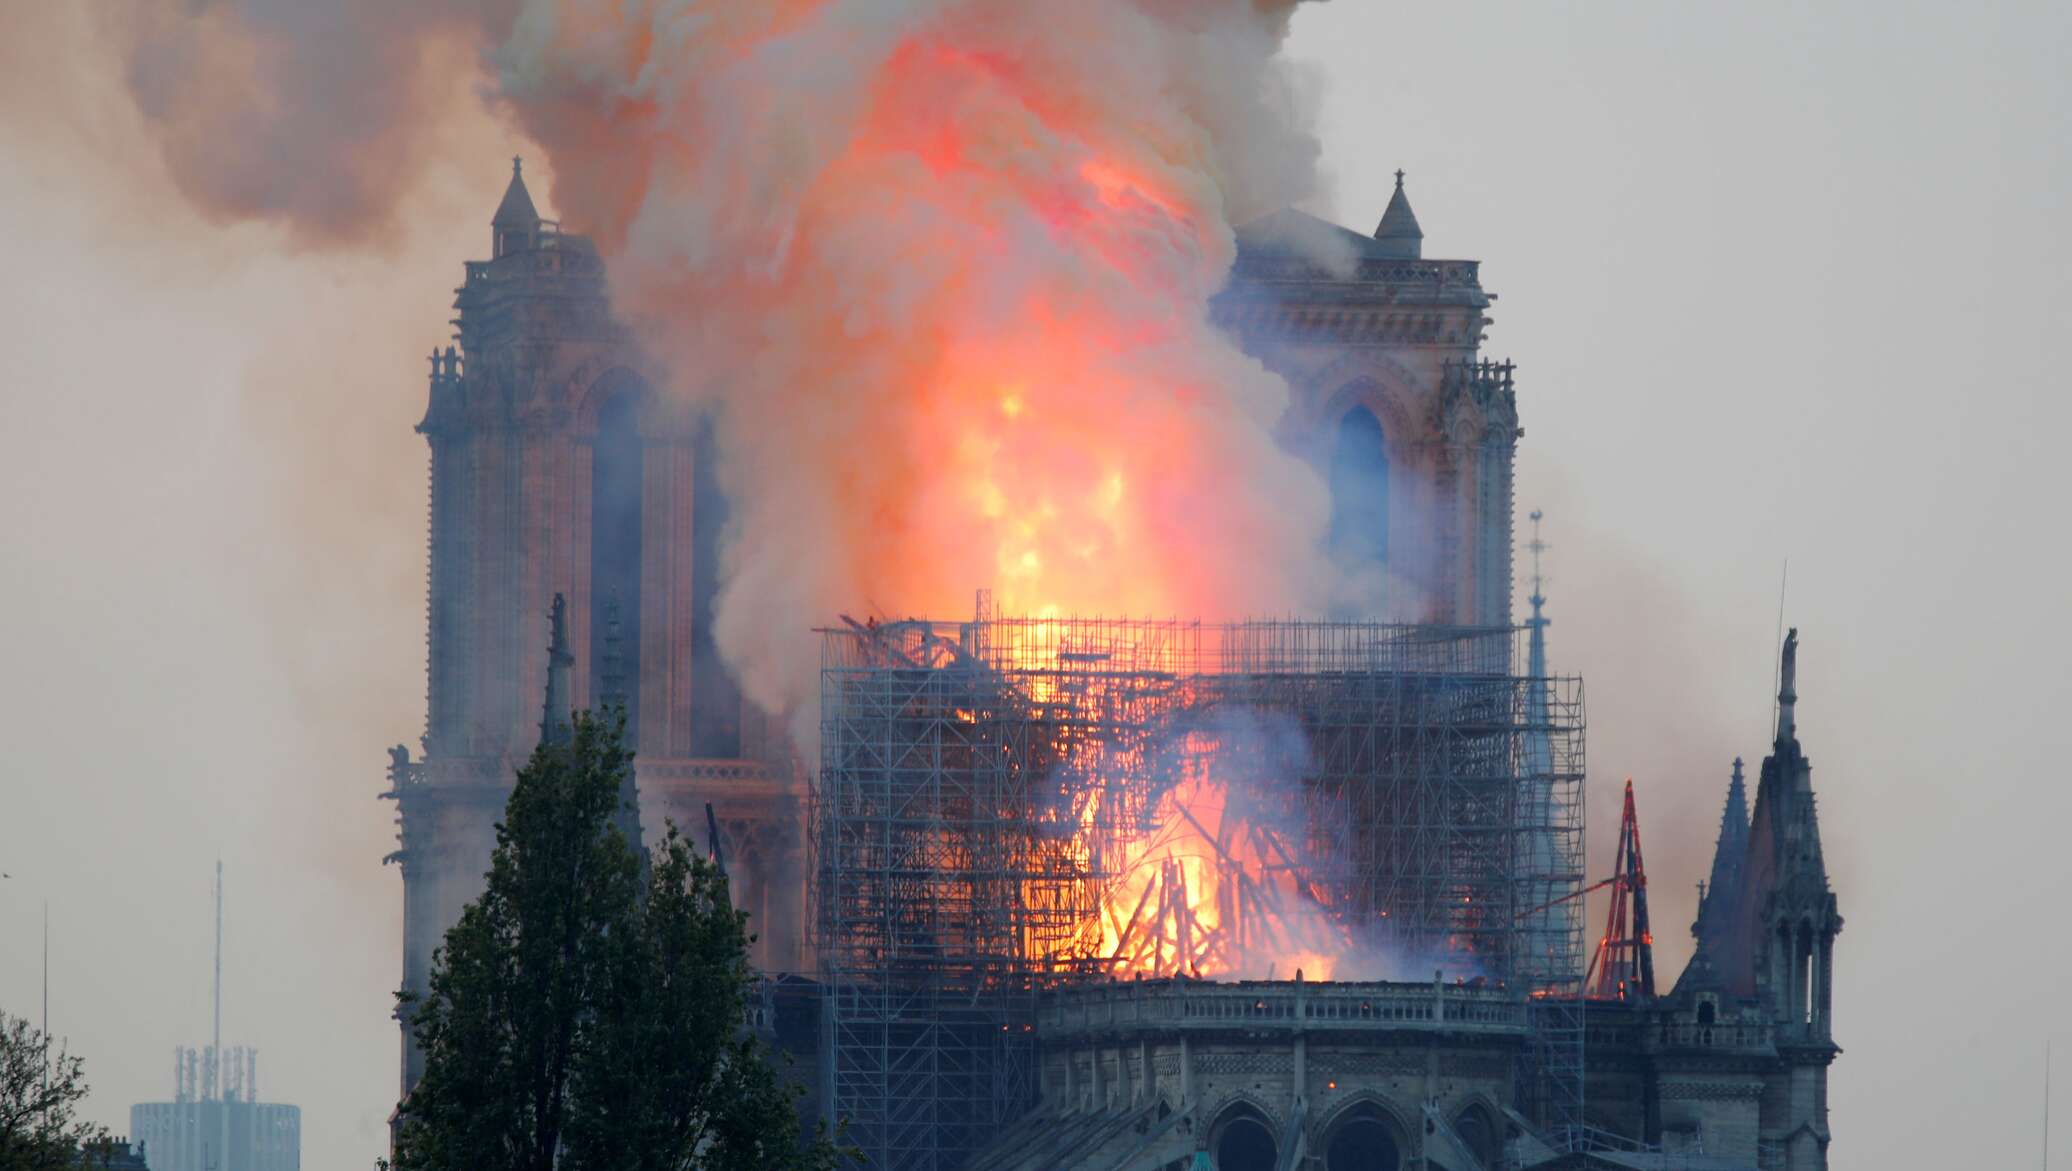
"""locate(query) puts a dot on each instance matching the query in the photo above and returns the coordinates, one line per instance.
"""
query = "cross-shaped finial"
(1399, 178)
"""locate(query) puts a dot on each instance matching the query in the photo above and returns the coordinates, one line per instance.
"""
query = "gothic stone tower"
(557, 469)
(1788, 921)
(1392, 402)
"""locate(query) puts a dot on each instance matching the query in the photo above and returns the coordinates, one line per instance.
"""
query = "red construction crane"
(1624, 966)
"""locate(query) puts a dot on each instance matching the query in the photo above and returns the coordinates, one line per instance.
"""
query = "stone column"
(1301, 1044)
(1827, 992)
(1780, 973)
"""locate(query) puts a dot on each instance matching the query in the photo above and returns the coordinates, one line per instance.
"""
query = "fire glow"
(940, 272)
(1216, 891)
(945, 291)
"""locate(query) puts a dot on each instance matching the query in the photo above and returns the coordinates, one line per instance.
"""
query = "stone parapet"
(1169, 1007)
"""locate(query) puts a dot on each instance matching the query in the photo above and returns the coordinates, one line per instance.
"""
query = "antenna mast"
(216, 1034)
(216, 1053)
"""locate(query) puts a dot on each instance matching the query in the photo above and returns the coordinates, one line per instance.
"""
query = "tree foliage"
(589, 1011)
(39, 1090)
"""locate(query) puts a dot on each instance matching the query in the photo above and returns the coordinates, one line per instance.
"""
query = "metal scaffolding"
(985, 788)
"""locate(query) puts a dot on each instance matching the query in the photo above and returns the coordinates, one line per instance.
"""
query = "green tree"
(589, 1011)
(38, 1092)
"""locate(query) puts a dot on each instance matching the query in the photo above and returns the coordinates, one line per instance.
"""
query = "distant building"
(111, 1154)
(215, 1121)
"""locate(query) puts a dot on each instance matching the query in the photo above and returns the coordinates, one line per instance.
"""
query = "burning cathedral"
(1126, 894)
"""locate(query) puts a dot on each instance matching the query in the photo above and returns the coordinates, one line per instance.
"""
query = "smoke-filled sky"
(1782, 284)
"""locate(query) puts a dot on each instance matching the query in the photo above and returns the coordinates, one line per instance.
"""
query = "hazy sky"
(1781, 283)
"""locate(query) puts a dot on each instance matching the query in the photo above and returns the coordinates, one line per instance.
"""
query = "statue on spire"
(1787, 691)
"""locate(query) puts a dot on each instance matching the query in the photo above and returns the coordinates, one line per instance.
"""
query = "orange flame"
(945, 276)
(1214, 892)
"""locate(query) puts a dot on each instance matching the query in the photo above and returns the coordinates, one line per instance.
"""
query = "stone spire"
(554, 725)
(516, 224)
(1729, 860)
(1554, 929)
(1398, 233)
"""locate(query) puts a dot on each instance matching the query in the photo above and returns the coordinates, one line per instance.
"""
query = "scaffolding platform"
(987, 790)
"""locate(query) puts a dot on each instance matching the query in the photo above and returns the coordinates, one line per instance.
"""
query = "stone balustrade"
(1686, 1035)
(1184, 1006)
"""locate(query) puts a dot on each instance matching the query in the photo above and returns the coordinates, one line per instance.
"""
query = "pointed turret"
(1729, 859)
(1717, 928)
(554, 725)
(1398, 234)
(516, 224)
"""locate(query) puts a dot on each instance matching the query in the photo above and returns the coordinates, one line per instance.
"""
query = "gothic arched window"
(617, 463)
(1360, 489)
(1243, 1142)
(1362, 1142)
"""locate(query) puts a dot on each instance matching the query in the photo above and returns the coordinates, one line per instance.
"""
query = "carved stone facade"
(1271, 1074)
(1366, 332)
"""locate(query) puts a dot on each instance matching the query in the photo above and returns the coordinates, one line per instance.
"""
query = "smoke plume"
(941, 270)
(318, 117)
(938, 269)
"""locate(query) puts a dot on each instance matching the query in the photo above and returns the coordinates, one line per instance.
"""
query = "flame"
(1213, 891)
(943, 274)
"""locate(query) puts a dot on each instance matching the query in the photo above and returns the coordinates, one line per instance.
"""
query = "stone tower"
(1392, 402)
(557, 469)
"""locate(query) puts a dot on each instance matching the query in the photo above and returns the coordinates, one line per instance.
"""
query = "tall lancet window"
(615, 496)
(1360, 490)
